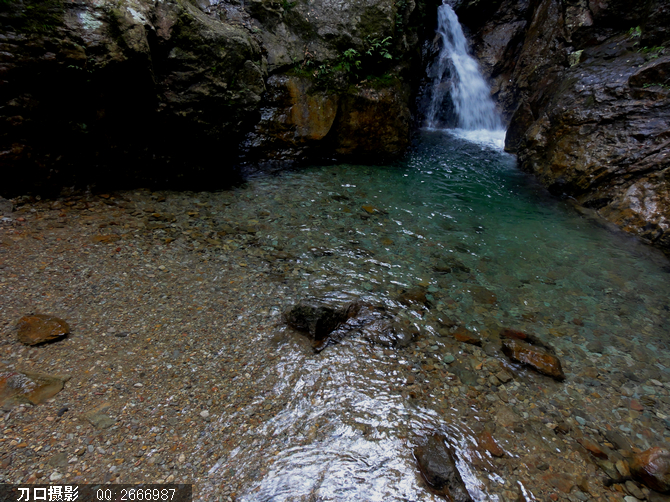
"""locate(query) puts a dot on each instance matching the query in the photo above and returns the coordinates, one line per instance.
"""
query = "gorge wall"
(585, 85)
(107, 90)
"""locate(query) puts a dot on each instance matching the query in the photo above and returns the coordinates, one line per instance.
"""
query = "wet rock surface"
(79, 71)
(652, 467)
(262, 81)
(438, 467)
(41, 328)
(585, 88)
(534, 357)
(319, 318)
(27, 387)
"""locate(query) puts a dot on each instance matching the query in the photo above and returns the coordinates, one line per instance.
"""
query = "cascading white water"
(469, 91)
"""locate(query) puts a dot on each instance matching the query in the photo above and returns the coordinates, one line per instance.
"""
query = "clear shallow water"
(526, 261)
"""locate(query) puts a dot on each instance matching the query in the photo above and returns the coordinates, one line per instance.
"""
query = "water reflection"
(490, 249)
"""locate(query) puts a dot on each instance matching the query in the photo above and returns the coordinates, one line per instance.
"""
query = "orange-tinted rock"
(29, 388)
(534, 357)
(652, 467)
(486, 442)
(466, 336)
(40, 328)
(635, 405)
(105, 239)
(592, 447)
(358, 126)
(513, 334)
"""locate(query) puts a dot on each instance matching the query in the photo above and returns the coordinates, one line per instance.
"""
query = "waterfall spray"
(469, 91)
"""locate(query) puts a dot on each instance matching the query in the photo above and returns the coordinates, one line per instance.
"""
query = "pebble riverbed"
(174, 301)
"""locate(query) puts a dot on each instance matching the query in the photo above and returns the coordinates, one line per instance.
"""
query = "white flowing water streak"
(478, 118)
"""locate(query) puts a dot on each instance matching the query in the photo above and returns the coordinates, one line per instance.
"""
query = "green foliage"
(351, 67)
(379, 48)
(635, 32)
(652, 52)
(287, 6)
(401, 5)
(656, 84)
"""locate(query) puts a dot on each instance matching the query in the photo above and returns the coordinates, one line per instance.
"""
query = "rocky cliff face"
(121, 86)
(586, 88)
(116, 89)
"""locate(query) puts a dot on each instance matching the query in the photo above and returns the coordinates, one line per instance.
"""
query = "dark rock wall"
(137, 90)
(585, 86)
(110, 90)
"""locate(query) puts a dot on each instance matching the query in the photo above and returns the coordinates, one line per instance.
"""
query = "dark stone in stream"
(320, 318)
(390, 333)
(534, 357)
(618, 440)
(437, 464)
(449, 265)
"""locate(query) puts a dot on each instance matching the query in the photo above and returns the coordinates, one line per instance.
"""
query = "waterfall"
(469, 91)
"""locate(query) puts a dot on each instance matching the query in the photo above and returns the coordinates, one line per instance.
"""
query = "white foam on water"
(478, 118)
(491, 138)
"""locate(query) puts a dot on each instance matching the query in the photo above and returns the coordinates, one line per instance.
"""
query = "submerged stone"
(466, 336)
(487, 443)
(413, 297)
(388, 333)
(28, 388)
(98, 417)
(652, 467)
(437, 464)
(534, 357)
(319, 318)
(40, 328)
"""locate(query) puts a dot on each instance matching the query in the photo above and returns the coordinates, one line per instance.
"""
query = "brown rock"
(486, 442)
(30, 388)
(482, 295)
(635, 405)
(105, 239)
(466, 336)
(652, 467)
(413, 296)
(438, 467)
(562, 482)
(40, 328)
(592, 447)
(534, 357)
(359, 130)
